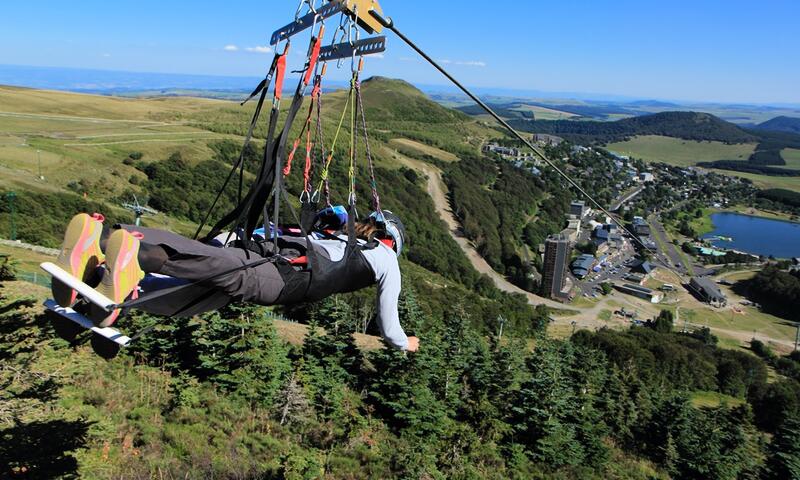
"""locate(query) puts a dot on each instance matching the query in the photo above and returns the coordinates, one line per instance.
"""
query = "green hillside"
(781, 124)
(246, 393)
(174, 154)
(680, 152)
(685, 125)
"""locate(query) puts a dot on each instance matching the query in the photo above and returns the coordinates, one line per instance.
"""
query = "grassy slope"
(792, 157)
(543, 113)
(675, 151)
(423, 149)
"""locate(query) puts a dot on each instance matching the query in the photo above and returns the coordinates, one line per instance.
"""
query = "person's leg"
(173, 255)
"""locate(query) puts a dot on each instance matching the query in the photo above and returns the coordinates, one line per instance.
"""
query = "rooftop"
(708, 286)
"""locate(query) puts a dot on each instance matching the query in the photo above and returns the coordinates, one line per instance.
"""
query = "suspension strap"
(261, 89)
(316, 97)
(376, 199)
(237, 214)
(351, 171)
(326, 167)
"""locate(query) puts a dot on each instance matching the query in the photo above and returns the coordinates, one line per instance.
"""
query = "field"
(675, 151)
(765, 181)
(686, 153)
(543, 113)
(423, 149)
(792, 157)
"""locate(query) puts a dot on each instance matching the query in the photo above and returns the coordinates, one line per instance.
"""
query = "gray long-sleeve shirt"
(383, 262)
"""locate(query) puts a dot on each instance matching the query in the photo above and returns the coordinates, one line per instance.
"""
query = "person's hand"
(413, 344)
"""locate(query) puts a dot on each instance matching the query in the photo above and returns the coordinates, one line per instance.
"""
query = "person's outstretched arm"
(387, 273)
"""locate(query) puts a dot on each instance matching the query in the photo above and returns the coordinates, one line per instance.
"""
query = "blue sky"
(701, 50)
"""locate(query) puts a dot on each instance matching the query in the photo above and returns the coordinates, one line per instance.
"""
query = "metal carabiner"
(299, 9)
(315, 196)
(353, 26)
(288, 41)
(305, 195)
(344, 25)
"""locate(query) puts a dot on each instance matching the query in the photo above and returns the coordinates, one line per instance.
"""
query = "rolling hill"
(781, 124)
(685, 125)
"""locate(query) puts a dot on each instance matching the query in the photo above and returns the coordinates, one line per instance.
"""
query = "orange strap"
(312, 60)
(279, 75)
(288, 168)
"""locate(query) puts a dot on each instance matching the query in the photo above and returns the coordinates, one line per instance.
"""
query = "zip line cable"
(389, 23)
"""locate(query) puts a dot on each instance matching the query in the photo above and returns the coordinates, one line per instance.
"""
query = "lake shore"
(755, 234)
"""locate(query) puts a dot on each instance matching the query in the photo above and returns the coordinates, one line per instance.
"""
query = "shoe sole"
(82, 233)
(121, 256)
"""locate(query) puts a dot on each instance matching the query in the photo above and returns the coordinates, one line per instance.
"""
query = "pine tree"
(544, 404)
(239, 350)
(783, 461)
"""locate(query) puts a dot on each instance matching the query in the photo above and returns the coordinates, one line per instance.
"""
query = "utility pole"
(502, 320)
(39, 156)
(797, 339)
(11, 196)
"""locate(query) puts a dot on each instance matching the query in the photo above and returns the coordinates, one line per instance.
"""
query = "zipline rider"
(364, 254)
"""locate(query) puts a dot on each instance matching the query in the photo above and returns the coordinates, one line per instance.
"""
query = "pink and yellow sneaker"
(122, 274)
(80, 254)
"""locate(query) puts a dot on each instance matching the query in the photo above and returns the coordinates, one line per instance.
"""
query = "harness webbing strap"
(262, 88)
(312, 60)
(280, 77)
(327, 165)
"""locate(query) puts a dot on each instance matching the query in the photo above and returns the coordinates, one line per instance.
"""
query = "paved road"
(626, 198)
(671, 257)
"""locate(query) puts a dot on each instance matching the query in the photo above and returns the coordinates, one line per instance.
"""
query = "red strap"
(299, 261)
(307, 169)
(288, 168)
(388, 242)
(312, 61)
(279, 74)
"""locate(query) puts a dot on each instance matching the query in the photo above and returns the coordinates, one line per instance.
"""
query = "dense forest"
(746, 166)
(686, 125)
(222, 396)
(776, 290)
(497, 205)
(779, 198)
(781, 124)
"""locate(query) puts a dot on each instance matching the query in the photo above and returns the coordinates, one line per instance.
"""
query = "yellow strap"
(324, 175)
(352, 171)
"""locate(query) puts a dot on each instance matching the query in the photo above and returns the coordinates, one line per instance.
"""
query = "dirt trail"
(437, 191)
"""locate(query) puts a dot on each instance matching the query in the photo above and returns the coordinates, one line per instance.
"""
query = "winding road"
(437, 191)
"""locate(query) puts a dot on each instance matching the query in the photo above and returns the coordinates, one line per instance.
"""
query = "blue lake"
(756, 235)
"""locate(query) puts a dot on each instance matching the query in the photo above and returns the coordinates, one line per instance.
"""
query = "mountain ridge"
(680, 124)
(781, 123)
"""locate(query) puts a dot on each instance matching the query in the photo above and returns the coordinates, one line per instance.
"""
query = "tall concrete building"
(556, 256)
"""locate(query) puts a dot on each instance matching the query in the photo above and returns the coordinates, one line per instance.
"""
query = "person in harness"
(362, 254)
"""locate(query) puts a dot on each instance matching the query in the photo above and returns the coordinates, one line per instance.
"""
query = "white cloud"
(259, 49)
(231, 48)
(472, 63)
(463, 63)
(377, 55)
(106, 55)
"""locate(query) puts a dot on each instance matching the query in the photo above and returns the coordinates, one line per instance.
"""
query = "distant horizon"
(711, 52)
(133, 81)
